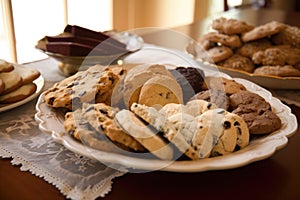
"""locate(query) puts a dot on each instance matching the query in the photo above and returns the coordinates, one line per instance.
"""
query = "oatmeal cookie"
(227, 40)
(217, 54)
(238, 62)
(249, 48)
(283, 71)
(263, 31)
(231, 26)
(289, 35)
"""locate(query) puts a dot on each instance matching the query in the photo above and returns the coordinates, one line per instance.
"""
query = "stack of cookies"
(151, 109)
(269, 49)
(16, 82)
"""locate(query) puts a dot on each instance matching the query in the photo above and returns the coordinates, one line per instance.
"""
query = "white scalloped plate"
(263, 147)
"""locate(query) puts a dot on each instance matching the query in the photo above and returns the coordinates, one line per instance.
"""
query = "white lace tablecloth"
(75, 176)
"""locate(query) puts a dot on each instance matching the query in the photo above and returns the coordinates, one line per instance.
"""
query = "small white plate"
(39, 83)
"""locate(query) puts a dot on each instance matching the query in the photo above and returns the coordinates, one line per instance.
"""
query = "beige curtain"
(129, 14)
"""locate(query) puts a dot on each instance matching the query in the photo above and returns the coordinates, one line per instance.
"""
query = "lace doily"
(36, 152)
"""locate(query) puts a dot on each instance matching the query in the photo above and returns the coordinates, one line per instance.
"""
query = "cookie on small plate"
(18, 94)
(12, 80)
(5, 66)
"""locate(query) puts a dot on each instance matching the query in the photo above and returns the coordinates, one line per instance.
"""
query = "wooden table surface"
(277, 177)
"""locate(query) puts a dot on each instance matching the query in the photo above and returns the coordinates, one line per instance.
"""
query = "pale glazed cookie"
(229, 86)
(133, 126)
(18, 94)
(159, 91)
(238, 62)
(137, 77)
(218, 97)
(263, 31)
(85, 86)
(12, 80)
(227, 40)
(256, 112)
(185, 124)
(101, 118)
(5, 66)
(160, 122)
(231, 26)
(218, 54)
(173, 108)
(209, 132)
(249, 48)
(289, 35)
(198, 106)
(28, 74)
(283, 71)
(219, 133)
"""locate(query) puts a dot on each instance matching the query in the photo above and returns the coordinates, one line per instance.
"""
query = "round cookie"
(283, 71)
(217, 97)
(231, 26)
(262, 31)
(229, 86)
(238, 62)
(289, 35)
(18, 94)
(249, 48)
(12, 80)
(133, 126)
(256, 112)
(5, 66)
(198, 106)
(218, 54)
(136, 78)
(28, 74)
(185, 124)
(233, 41)
(210, 129)
(173, 108)
(270, 56)
(159, 91)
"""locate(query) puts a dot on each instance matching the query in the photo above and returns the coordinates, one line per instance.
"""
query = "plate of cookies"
(145, 117)
(268, 54)
(18, 85)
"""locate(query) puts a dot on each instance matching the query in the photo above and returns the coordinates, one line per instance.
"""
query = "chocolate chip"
(226, 124)
(103, 111)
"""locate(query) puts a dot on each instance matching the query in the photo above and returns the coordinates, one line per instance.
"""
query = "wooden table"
(277, 177)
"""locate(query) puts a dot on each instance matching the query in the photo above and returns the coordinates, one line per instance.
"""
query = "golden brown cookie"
(249, 48)
(218, 54)
(18, 94)
(231, 26)
(283, 71)
(238, 62)
(229, 86)
(28, 74)
(227, 40)
(12, 80)
(263, 31)
(2, 86)
(159, 91)
(5, 66)
(289, 35)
